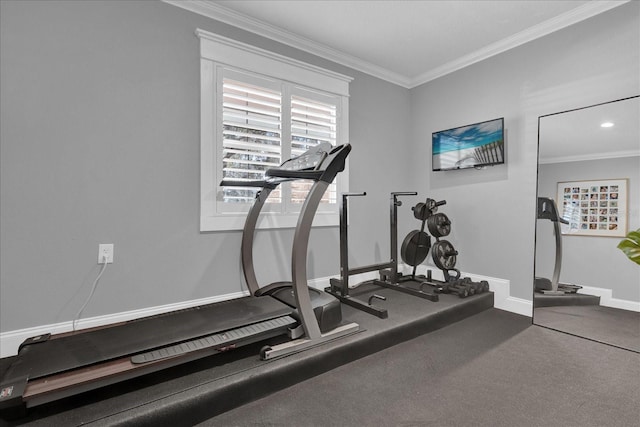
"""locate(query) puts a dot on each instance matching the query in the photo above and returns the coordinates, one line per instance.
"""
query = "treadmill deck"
(86, 348)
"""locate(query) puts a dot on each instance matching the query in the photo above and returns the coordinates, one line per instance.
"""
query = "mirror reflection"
(588, 199)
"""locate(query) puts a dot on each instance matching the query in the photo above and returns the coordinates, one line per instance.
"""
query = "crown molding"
(220, 13)
(594, 156)
(258, 52)
(557, 23)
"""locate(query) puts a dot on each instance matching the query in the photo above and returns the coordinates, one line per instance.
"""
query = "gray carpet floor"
(604, 324)
(492, 369)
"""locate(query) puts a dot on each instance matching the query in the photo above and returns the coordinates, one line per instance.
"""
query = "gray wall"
(587, 260)
(493, 210)
(100, 144)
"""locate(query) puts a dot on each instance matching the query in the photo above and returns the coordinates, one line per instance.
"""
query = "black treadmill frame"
(547, 209)
(333, 160)
(20, 390)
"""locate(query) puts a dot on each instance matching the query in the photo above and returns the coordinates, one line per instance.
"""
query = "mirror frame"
(536, 227)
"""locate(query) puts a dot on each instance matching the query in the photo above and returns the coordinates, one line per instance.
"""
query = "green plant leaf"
(631, 246)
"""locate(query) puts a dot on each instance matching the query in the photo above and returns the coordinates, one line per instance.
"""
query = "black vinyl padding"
(326, 307)
(87, 348)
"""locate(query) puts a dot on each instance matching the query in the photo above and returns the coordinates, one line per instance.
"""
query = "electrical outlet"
(105, 250)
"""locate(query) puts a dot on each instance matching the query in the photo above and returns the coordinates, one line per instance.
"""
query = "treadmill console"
(309, 160)
(547, 209)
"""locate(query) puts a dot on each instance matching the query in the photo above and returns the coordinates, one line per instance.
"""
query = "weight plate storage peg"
(432, 206)
(439, 225)
(444, 255)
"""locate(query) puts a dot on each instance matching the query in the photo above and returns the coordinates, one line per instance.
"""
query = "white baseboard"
(607, 300)
(499, 287)
(10, 341)
(502, 299)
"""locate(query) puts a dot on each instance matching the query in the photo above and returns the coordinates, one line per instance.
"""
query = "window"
(257, 110)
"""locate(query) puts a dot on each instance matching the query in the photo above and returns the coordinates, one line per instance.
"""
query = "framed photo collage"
(594, 208)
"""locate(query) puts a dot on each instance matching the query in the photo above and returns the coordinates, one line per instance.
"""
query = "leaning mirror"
(588, 199)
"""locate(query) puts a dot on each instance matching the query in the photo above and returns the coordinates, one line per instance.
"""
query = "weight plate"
(444, 255)
(420, 211)
(439, 225)
(415, 247)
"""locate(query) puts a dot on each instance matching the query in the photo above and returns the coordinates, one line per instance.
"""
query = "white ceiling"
(410, 42)
(404, 42)
(576, 135)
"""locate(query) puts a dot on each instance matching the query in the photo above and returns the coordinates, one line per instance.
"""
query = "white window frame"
(218, 53)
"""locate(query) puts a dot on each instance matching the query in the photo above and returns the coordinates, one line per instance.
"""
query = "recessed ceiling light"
(606, 125)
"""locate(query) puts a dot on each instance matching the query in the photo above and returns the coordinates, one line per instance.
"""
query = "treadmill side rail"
(221, 342)
(55, 387)
(298, 345)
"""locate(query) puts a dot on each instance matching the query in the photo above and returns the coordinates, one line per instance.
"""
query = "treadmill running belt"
(85, 348)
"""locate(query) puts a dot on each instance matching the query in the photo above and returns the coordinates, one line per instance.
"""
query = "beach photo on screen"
(476, 145)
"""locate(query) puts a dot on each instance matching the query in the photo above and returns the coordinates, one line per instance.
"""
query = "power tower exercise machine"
(390, 277)
(50, 367)
(548, 210)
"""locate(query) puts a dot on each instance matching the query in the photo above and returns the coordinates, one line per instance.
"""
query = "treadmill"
(547, 209)
(51, 367)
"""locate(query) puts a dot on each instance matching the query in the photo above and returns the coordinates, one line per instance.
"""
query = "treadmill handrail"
(547, 209)
(333, 162)
(239, 183)
(324, 173)
(284, 173)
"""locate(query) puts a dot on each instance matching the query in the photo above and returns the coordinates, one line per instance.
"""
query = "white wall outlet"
(105, 253)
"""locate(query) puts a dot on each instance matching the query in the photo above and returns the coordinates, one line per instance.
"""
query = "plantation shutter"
(312, 122)
(258, 108)
(251, 136)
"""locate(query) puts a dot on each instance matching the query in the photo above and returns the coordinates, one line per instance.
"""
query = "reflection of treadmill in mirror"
(319, 313)
(547, 210)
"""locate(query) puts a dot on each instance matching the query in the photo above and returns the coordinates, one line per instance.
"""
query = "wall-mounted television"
(472, 146)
